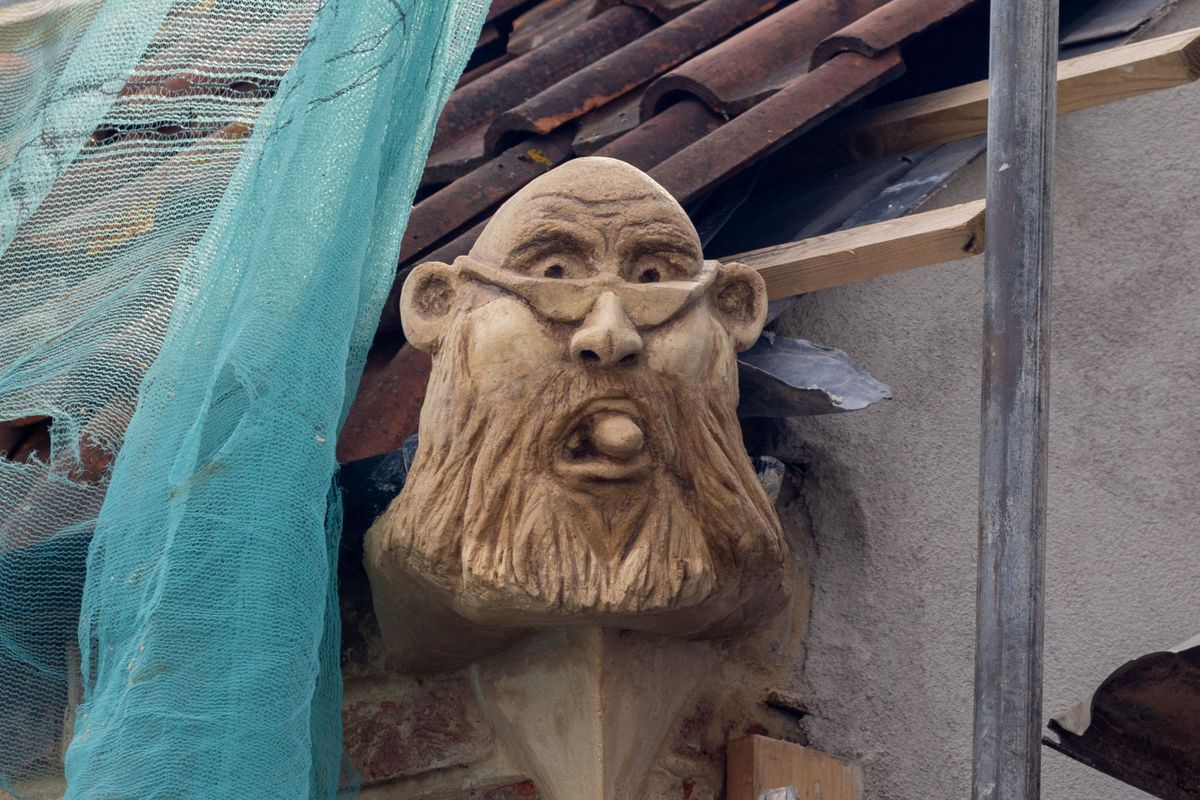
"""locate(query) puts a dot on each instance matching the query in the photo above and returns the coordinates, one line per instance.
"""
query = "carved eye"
(648, 276)
(553, 271)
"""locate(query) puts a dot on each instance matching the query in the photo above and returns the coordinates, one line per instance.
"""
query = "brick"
(401, 727)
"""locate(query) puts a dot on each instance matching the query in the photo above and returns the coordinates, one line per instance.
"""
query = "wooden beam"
(1090, 80)
(869, 251)
(757, 764)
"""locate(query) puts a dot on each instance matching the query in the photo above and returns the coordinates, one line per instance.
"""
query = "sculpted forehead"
(596, 202)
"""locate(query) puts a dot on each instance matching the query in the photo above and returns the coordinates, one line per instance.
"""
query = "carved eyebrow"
(663, 240)
(548, 239)
(657, 235)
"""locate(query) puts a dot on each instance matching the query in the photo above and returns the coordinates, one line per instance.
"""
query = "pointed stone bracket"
(585, 711)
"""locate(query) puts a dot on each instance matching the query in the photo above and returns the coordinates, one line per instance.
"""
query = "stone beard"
(490, 502)
(580, 458)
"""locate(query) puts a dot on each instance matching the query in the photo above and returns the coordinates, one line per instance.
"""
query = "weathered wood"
(1090, 80)
(1016, 332)
(869, 251)
(757, 764)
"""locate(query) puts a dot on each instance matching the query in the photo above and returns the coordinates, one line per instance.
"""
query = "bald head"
(589, 216)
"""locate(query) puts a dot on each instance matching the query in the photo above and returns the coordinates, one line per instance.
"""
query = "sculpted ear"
(427, 303)
(739, 297)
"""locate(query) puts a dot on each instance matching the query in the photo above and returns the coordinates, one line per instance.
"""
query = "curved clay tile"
(481, 70)
(886, 27)
(758, 61)
(774, 122)
(664, 135)
(625, 69)
(547, 21)
(453, 206)
(500, 8)
(602, 125)
(663, 9)
(478, 102)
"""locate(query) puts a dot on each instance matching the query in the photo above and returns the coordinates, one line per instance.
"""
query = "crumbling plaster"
(892, 491)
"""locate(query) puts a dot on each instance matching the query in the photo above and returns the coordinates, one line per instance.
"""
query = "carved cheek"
(507, 343)
(686, 346)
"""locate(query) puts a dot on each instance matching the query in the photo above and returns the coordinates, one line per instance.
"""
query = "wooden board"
(869, 251)
(757, 764)
(1090, 80)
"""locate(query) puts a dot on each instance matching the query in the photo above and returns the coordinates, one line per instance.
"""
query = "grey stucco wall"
(892, 491)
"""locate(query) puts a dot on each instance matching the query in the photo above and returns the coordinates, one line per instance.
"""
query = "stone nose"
(606, 337)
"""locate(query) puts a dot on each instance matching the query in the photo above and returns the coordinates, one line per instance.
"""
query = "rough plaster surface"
(892, 491)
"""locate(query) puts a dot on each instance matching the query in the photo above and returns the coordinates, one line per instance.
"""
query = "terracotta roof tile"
(773, 123)
(600, 126)
(663, 9)
(887, 27)
(547, 21)
(472, 108)
(629, 67)
(694, 91)
(615, 76)
(502, 8)
(664, 135)
(752, 65)
(483, 188)
(480, 70)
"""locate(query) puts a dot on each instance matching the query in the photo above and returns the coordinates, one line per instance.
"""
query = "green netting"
(201, 203)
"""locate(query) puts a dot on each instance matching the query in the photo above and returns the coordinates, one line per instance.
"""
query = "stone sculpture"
(580, 459)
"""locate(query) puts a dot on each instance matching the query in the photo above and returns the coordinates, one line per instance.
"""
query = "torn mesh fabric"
(201, 205)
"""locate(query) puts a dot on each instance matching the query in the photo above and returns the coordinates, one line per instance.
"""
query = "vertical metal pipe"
(1012, 494)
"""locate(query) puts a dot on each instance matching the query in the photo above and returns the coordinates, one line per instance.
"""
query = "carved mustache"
(574, 396)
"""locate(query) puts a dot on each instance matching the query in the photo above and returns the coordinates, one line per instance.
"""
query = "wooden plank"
(869, 251)
(757, 764)
(1089, 80)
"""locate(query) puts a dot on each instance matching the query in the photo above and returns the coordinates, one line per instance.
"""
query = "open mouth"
(606, 441)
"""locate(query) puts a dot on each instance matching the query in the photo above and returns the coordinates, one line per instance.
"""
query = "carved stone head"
(580, 459)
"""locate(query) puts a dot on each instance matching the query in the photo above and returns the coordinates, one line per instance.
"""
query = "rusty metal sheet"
(664, 135)
(546, 21)
(759, 61)
(462, 201)
(626, 69)
(886, 27)
(1110, 22)
(774, 122)
(478, 102)
(1141, 725)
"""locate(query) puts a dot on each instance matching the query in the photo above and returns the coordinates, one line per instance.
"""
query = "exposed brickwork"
(402, 727)
(525, 790)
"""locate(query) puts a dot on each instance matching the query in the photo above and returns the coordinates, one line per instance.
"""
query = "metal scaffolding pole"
(1012, 494)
